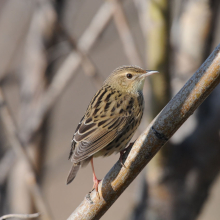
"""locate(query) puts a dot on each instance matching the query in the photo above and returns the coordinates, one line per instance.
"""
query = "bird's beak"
(148, 73)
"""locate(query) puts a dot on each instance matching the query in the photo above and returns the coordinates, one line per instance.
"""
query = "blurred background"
(54, 56)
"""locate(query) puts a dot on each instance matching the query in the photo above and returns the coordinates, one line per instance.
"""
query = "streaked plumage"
(111, 118)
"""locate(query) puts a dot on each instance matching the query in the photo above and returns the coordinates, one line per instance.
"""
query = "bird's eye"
(129, 75)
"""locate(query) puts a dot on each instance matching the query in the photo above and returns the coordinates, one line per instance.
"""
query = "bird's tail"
(73, 172)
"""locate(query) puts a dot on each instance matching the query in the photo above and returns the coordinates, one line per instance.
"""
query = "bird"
(110, 120)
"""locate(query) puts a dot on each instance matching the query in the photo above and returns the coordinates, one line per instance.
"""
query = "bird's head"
(128, 78)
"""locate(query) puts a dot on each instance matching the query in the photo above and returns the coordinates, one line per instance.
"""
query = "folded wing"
(94, 136)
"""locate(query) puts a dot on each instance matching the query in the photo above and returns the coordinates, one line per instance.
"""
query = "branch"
(19, 148)
(158, 52)
(35, 215)
(68, 68)
(88, 66)
(72, 62)
(6, 163)
(125, 34)
(176, 112)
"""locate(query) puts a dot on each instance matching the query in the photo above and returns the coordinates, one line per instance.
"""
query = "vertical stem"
(157, 55)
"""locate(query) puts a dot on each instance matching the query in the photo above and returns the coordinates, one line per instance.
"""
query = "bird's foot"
(123, 152)
(96, 184)
(88, 197)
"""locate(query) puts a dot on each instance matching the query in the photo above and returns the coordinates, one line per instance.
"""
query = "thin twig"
(176, 112)
(125, 34)
(141, 6)
(68, 69)
(24, 216)
(87, 64)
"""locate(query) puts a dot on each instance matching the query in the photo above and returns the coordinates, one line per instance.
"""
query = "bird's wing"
(94, 136)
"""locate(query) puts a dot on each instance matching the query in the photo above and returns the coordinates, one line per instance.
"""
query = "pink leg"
(95, 180)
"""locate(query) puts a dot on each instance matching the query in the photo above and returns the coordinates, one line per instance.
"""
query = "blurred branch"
(157, 52)
(16, 28)
(154, 17)
(174, 189)
(68, 69)
(87, 64)
(23, 216)
(193, 165)
(125, 34)
(11, 132)
(214, 6)
(141, 6)
(191, 39)
(6, 163)
(32, 77)
(176, 112)
(17, 145)
(23, 179)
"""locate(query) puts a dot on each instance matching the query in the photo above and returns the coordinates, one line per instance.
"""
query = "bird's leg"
(95, 180)
(122, 153)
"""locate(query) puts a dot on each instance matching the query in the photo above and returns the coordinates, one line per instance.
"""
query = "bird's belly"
(117, 145)
(112, 148)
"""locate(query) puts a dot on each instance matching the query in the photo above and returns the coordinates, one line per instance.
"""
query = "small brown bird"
(110, 120)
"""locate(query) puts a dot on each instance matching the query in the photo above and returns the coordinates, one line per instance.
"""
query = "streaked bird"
(111, 119)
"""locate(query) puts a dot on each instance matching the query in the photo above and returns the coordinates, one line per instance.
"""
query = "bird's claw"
(88, 197)
(122, 153)
(96, 185)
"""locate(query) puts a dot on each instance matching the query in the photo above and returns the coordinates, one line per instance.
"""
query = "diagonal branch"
(68, 68)
(87, 64)
(125, 34)
(176, 112)
(19, 148)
